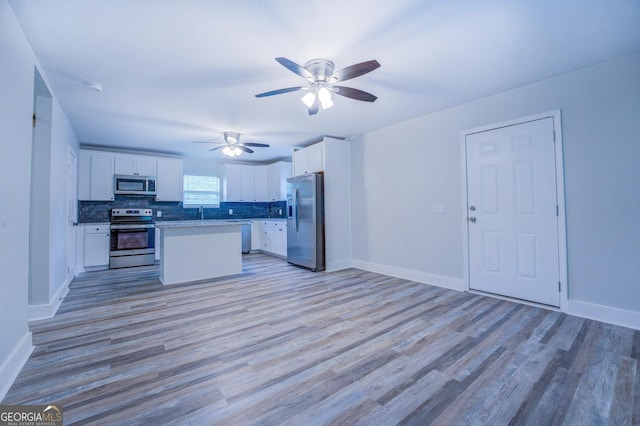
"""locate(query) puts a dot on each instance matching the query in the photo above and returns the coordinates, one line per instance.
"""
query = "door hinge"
(554, 136)
(557, 211)
(559, 287)
(34, 119)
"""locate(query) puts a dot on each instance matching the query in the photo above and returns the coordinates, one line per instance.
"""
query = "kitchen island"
(195, 250)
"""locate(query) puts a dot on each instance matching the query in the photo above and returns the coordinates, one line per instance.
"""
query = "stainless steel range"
(132, 238)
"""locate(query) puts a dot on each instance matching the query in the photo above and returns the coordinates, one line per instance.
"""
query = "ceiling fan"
(232, 146)
(322, 82)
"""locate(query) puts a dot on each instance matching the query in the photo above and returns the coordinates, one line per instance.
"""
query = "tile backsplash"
(100, 211)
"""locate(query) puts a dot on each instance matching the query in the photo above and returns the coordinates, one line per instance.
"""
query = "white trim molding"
(451, 283)
(48, 310)
(12, 366)
(603, 313)
(336, 266)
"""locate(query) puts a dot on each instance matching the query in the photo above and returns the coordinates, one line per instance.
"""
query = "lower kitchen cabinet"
(256, 235)
(274, 237)
(157, 244)
(96, 245)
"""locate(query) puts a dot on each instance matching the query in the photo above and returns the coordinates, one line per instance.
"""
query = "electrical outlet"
(279, 211)
(400, 248)
(159, 213)
(230, 211)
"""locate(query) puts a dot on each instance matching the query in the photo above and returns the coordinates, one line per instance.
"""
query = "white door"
(512, 212)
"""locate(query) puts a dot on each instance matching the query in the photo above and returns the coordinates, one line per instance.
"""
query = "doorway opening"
(40, 191)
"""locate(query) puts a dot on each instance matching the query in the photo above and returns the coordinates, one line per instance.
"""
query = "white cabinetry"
(256, 235)
(169, 180)
(241, 182)
(279, 172)
(135, 165)
(95, 175)
(96, 245)
(237, 183)
(260, 183)
(96, 170)
(271, 236)
(157, 244)
(309, 159)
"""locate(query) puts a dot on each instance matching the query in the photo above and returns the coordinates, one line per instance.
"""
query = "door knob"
(472, 219)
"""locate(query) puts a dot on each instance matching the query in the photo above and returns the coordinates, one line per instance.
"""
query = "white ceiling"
(177, 71)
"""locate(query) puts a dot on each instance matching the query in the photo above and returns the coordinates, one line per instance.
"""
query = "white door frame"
(562, 225)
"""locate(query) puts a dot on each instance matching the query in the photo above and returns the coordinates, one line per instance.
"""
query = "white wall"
(400, 172)
(17, 89)
(201, 167)
(16, 80)
(62, 136)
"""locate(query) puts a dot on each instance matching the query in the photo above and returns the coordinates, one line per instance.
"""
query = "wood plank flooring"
(278, 345)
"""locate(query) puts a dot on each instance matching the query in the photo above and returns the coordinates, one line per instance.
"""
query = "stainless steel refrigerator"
(305, 221)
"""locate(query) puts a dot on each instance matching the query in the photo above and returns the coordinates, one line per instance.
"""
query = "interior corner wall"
(400, 173)
(16, 86)
(62, 137)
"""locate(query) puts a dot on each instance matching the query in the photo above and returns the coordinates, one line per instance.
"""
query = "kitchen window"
(201, 191)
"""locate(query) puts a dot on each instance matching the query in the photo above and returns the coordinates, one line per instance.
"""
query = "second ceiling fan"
(232, 146)
(322, 82)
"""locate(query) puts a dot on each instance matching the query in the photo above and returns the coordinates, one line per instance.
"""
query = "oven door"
(127, 240)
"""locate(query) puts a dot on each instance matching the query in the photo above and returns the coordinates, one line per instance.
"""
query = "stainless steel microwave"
(134, 185)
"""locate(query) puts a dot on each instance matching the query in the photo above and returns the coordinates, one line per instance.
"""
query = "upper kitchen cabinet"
(135, 165)
(309, 159)
(279, 172)
(237, 182)
(95, 175)
(261, 183)
(169, 180)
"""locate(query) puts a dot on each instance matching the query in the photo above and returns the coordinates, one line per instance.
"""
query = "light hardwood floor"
(281, 345)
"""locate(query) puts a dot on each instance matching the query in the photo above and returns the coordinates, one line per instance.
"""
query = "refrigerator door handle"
(295, 202)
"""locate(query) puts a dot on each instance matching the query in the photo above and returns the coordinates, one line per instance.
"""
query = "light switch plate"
(439, 209)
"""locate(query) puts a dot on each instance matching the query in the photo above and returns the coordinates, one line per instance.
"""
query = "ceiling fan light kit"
(231, 152)
(321, 78)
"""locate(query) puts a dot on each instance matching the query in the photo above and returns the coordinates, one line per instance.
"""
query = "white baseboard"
(11, 367)
(336, 266)
(409, 274)
(48, 310)
(603, 313)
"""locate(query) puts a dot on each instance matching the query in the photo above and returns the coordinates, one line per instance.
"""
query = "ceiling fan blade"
(352, 93)
(244, 148)
(216, 148)
(205, 142)
(279, 91)
(315, 107)
(257, 145)
(353, 71)
(293, 67)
